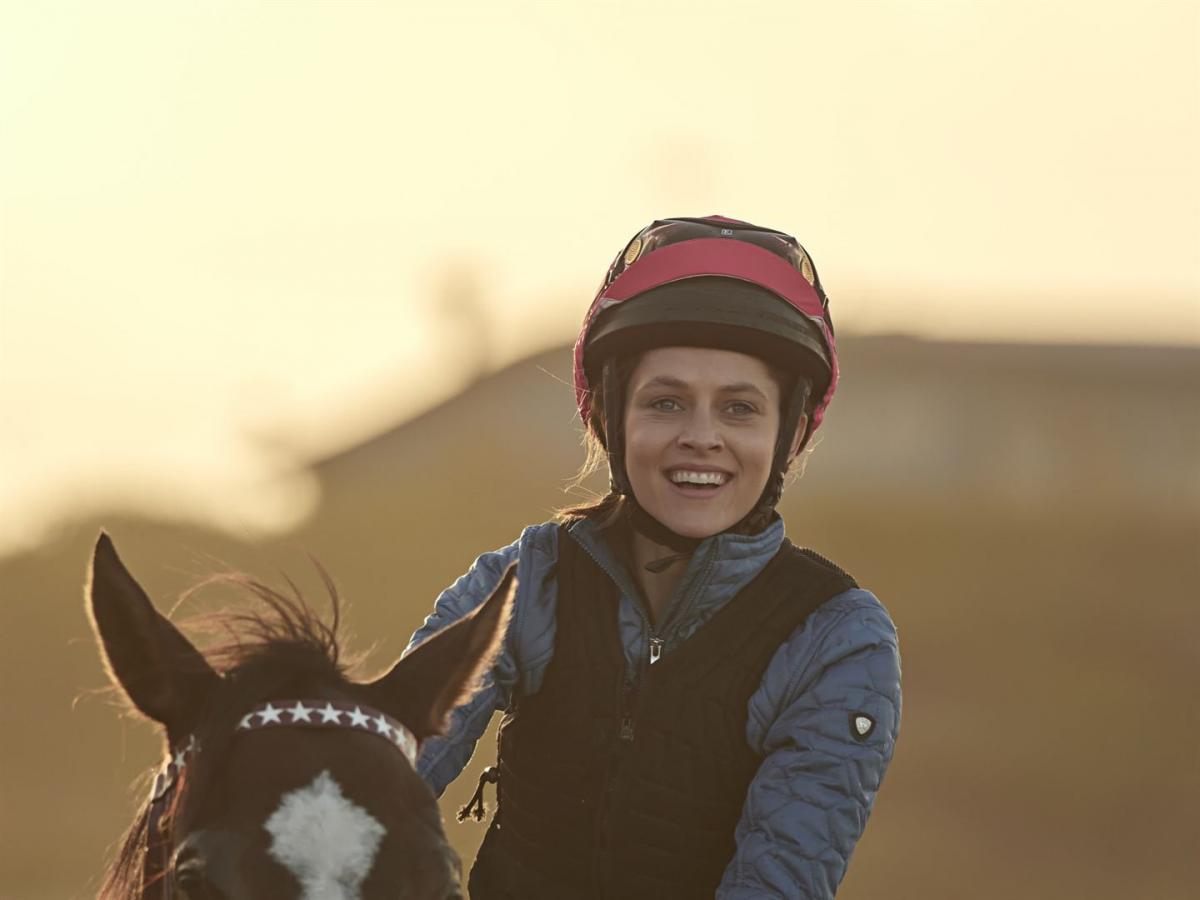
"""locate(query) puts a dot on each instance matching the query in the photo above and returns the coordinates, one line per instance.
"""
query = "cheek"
(754, 452)
(759, 449)
(644, 441)
(752, 438)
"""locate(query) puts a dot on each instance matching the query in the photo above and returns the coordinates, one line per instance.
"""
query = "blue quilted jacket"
(809, 802)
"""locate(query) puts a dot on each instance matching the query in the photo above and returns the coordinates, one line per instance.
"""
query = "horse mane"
(123, 879)
(283, 630)
(279, 640)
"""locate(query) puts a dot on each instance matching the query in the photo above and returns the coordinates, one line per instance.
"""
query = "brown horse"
(283, 778)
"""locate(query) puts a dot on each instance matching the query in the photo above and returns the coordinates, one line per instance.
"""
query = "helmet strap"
(611, 392)
(763, 512)
(650, 527)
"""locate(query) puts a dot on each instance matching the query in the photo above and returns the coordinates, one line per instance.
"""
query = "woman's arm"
(807, 806)
(442, 758)
(526, 650)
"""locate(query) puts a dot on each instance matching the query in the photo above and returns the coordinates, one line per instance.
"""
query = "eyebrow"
(667, 381)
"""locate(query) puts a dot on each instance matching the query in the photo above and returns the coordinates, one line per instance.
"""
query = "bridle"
(319, 714)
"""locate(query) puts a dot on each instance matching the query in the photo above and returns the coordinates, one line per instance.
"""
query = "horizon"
(279, 490)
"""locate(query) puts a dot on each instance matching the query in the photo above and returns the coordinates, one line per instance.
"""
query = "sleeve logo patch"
(861, 726)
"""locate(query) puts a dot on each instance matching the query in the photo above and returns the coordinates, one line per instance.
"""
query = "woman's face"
(700, 428)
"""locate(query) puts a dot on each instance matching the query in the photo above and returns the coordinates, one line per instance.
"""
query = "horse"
(283, 778)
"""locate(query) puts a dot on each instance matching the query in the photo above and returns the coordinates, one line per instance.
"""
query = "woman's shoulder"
(539, 541)
(848, 622)
(850, 632)
(542, 541)
(855, 615)
(856, 610)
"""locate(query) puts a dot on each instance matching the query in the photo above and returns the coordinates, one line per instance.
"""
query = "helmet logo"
(726, 232)
(633, 251)
(806, 269)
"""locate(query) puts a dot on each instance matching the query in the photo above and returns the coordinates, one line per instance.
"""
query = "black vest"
(609, 791)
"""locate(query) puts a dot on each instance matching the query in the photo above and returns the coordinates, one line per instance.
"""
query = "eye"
(192, 884)
(666, 404)
(742, 408)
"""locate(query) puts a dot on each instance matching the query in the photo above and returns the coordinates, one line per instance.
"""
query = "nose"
(206, 865)
(701, 431)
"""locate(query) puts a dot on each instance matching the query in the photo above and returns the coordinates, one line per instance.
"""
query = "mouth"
(698, 483)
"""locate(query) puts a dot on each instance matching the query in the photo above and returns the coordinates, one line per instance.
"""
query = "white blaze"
(328, 842)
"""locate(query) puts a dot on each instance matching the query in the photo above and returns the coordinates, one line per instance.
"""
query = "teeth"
(683, 476)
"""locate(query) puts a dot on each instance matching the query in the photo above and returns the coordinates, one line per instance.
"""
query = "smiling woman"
(693, 706)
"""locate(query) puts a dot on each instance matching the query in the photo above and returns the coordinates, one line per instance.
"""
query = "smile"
(698, 482)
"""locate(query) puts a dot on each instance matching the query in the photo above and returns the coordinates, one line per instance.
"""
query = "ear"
(444, 671)
(798, 438)
(147, 657)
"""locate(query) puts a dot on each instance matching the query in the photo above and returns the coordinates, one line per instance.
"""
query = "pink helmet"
(678, 270)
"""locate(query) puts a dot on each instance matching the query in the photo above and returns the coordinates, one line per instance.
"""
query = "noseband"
(318, 714)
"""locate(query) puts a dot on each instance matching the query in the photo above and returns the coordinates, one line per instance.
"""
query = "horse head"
(284, 778)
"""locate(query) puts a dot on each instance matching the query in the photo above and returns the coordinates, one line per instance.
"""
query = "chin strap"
(613, 433)
(645, 524)
(656, 531)
(763, 513)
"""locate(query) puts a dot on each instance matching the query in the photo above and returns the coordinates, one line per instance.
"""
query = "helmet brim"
(713, 312)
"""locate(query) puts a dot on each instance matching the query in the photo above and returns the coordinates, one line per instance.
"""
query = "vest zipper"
(656, 648)
(627, 719)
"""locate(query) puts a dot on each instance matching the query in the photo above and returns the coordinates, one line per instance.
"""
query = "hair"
(607, 510)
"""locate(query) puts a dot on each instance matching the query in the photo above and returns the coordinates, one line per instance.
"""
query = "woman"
(692, 705)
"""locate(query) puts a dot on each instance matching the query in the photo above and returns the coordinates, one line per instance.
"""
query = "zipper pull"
(656, 648)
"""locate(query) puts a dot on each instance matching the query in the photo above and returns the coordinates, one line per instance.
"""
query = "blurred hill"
(1030, 515)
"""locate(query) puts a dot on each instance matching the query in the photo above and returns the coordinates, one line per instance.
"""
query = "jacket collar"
(720, 567)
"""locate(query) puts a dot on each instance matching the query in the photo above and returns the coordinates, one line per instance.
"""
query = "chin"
(694, 526)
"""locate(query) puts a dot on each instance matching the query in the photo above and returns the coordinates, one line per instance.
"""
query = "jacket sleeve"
(443, 758)
(808, 803)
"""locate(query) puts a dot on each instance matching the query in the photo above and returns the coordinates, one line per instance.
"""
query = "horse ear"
(148, 658)
(443, 671)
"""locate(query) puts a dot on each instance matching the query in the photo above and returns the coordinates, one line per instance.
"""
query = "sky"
(234, 234)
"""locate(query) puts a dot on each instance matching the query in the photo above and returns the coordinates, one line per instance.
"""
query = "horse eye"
(192, 884)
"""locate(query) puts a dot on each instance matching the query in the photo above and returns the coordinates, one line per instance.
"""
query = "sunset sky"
(231, 233)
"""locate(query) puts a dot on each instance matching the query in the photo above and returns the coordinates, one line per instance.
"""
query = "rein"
(320, 714)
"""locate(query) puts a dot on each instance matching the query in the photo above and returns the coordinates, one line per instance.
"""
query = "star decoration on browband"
(329, 714)
(291, 714)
